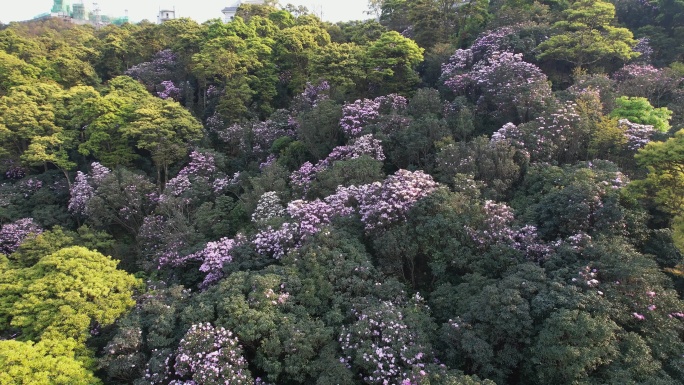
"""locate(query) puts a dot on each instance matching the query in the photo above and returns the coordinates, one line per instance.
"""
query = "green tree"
(664, 183)
(571, 345)
(44, 363)
(639, 110)
(52, 149)
(391, 62)
(63, 294)
(586, 35)
(15, 72)
(165, 129)
(27, 112)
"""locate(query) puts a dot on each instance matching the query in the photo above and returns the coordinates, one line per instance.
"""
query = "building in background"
(79, 13)
(166, 15)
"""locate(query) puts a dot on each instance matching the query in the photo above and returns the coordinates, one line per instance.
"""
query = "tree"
(14, 72)
(65, 294)
(53, 149)
(664, 183)
(639, 110)
(391, 62)
(164, 128)
(502, 84)
(586, 36)
(47, 362)
(571, 345)
(27, 112)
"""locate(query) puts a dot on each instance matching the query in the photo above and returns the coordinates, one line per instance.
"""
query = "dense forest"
(452, 192)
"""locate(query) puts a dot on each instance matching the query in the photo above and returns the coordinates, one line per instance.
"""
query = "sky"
(332, 10)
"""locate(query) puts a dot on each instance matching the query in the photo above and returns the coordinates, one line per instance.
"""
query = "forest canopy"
(451, 192)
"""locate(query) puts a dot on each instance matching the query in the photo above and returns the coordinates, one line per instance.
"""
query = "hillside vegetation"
(453, 193)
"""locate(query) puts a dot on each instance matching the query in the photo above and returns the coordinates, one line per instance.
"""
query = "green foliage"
(391, 61)
(497, 164)
(164, 128)
(319, 129)
(64, 293)
(534, 272)
(358, 171)
(586, 35)
(572, 344)
(639, 110)
(44, 363)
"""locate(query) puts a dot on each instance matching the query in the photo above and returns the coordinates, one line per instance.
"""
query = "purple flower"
(12, 235)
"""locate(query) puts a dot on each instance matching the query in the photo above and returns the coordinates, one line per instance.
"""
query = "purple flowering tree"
(268, 207)
(364, 145)
(637, 135)
(312, 95)
(81, 193)
(169, 91)
(210, 355)
(200, 172)
(557, 136)
(256, 138)
(498, 229)
(161, 75)
(383, 345)
(12, 235)
(643, 80)
(378, 204)
(363, 113)
(503, 84)
(381, 204)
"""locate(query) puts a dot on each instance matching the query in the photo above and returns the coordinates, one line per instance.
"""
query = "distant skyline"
(332, 10)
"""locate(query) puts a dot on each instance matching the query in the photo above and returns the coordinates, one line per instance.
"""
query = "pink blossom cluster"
(264, 134)
(210, 356)
(644, 80)
(170, 91)
(257, 137)
(485, 46)
(214, 256)
(548, 138)
(383, 345)
(14, 170)
(498, 229)
(638, 135)
(358, 115)
(268, 207)
(643, 45)
(270, 160)
(98, 172)
(579, 241)
(308, 218)
(381, 204)
(587, 275)
(315, 93)
(84, 186)
(81, 193)
(277, 242)
(364, 145)
(506, 83)
(149, 238)
(633, 71)
(12, 235)
(29, 186)
(202, 168)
